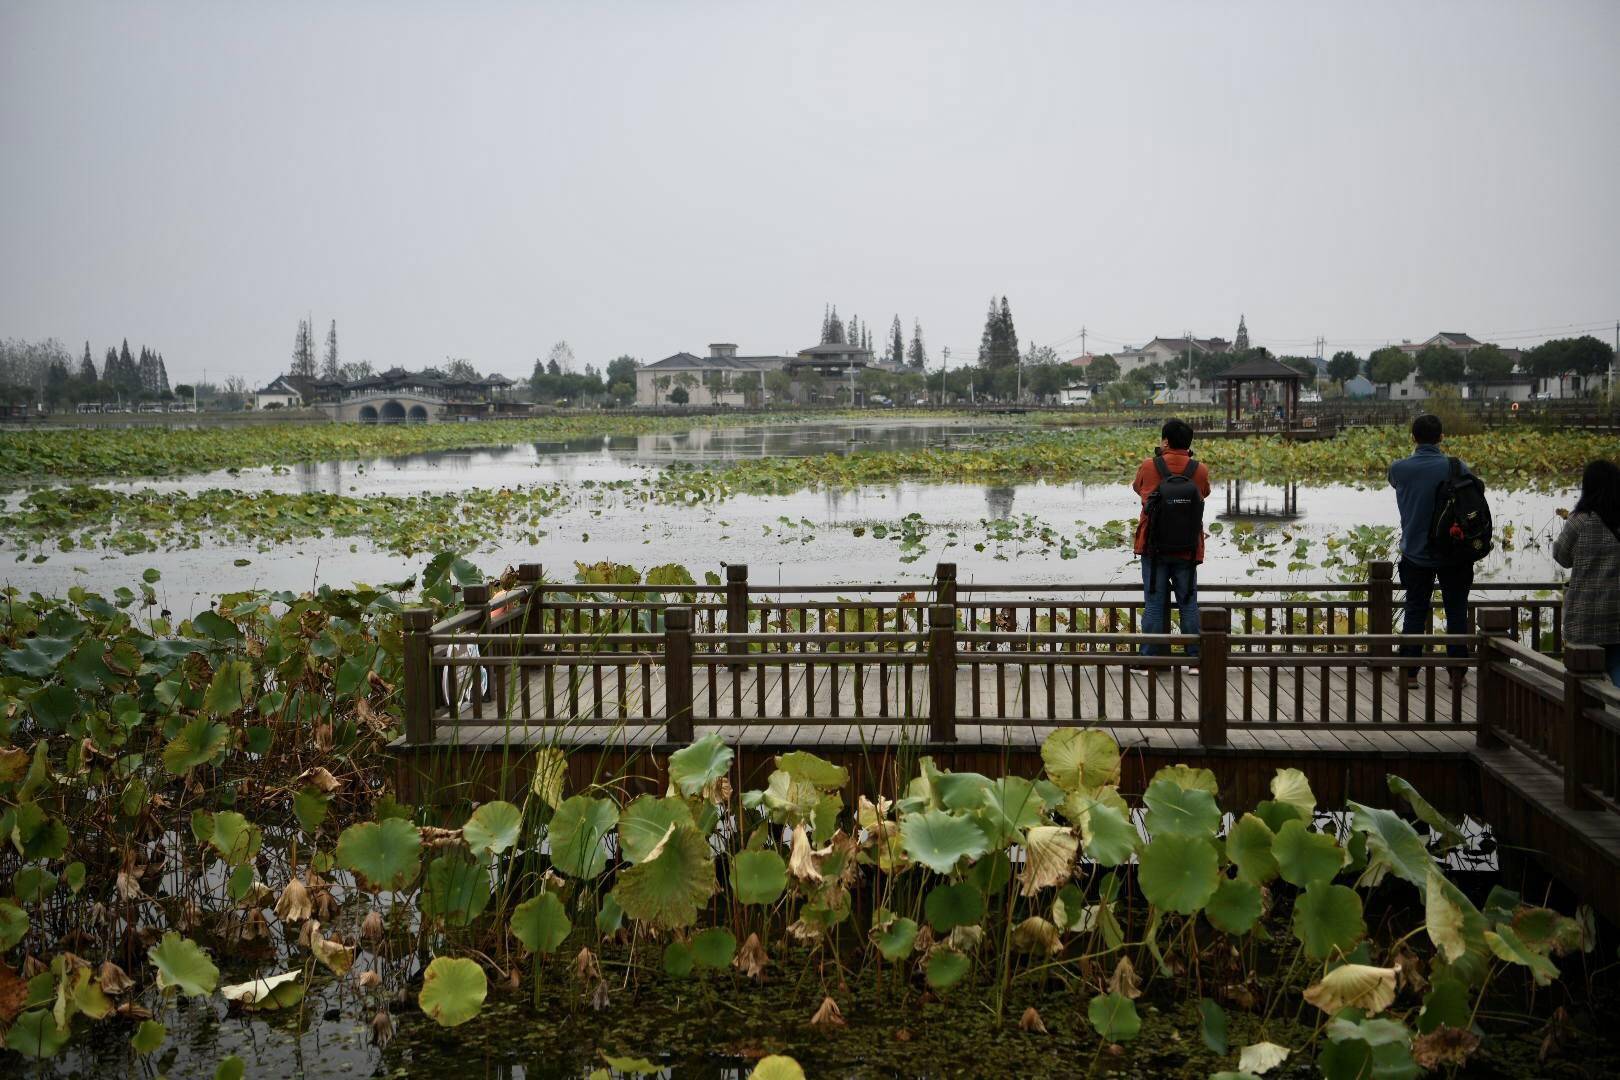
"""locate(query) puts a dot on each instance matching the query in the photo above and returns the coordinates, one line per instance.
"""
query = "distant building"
(1169, 351)
(724, 378)
(396, 396)
(1518, 386)
(280, 394)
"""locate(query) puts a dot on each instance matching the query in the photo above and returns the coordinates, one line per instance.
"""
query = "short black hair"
(1426, 429)
(1178, 433)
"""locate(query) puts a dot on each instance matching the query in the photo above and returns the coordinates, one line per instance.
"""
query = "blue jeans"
(1419, 582)
(1161, 577)
(1611, 660)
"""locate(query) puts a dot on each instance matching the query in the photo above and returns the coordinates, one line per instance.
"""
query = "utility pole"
(944, 366)
(1188, 335)
(1083, 338)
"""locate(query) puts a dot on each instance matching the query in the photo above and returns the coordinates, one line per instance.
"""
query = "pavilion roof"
(1262, 369)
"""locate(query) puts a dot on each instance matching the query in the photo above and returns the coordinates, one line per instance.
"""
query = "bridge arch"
(418, 414)
(368, 414)
(393, 412)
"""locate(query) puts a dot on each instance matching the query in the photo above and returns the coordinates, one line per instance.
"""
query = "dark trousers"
(1419, 582)
(1160, 578)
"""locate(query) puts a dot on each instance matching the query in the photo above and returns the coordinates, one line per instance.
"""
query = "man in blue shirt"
(1416, 479)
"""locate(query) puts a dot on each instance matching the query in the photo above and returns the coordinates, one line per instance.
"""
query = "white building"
(280, 394)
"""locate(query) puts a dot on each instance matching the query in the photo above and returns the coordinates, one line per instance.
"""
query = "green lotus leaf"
(234, 838)
(789, 801)
(1393, 846)
(1303, 856)
(1185, 776)
(1448, 1003)
(647, 820)
(940, 840)
(1546, 931)
(678, 959)
(35, 1034)
(1450, 836)
(668, 891)
(1180, 811)
(1235, 907)
(13, 924)
(148, 1037)
(946, 967)
(541, 923)
(693, 768)
(758, 876)
(1081, 759)
(714, 947)
(34, 833)
(610, 917)
(198, 743)
(550, 775)
(1178, 873)
(895, 940)
(1456, 928)
(183, 965)
(384, 855)
(1290, 786)
(578, 835)
(1106, 833)
(777, 1067)
(1249, 845)
(1277, 814)
(1212, 1027)
(1327, 919)
(1114, 1016)
(493, 828)
(310, 806)
(266, 994)
(805, 766)
(1507, 946)
(38, 656)
(230, 1067)
(453, 990)
(950, 906)
(1005, 808)
(233, 682)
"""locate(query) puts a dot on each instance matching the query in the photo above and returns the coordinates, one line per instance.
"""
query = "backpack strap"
(1456, 468)
(1163, 469)
(1191, 471)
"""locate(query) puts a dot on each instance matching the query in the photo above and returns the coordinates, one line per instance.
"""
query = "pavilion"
(1260, 370)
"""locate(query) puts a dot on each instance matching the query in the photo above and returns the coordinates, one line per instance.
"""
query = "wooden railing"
(1564, 714)
(944, 654)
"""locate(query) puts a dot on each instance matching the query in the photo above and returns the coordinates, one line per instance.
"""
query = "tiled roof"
(1260, 368)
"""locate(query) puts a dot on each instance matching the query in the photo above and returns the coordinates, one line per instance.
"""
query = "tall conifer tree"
(87, 367)
(329, 364)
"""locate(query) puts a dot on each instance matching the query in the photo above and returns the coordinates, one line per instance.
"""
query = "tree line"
(45, 372)
(1437, 365)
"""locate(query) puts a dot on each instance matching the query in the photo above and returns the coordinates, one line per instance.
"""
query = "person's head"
(1600, 492)
(1426, 429)
(1177, 435)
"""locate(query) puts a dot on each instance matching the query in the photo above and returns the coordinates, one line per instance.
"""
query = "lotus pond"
(801, 502)
(206, 874)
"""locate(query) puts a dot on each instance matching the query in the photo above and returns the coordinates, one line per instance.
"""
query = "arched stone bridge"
(385, 407)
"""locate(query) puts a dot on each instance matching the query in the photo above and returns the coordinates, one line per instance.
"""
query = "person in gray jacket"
(1415, 479)
(1590, 547)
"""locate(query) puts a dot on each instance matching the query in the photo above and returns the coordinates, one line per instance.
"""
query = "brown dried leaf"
(1444, 1046)
(752, 958)
(1124, 981)
(828, 1015)
(1031, 1021)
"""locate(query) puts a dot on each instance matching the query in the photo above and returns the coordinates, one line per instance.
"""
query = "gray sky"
(483, 179)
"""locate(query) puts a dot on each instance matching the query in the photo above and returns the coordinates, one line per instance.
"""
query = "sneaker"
(1411, 680)
(1192, 669)
(1459, 678)
(1141, 672)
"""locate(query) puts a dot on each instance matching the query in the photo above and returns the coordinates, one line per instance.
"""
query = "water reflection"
(998, 501)
(1261, 503)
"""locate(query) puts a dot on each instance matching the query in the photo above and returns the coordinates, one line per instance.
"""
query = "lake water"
(800, 538)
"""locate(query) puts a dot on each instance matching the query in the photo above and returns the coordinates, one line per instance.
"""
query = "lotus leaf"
(1303, 856)
(1248, 845)
(940, 840)
(453, 990)
(1007, 807)
(1446, 1003)
(13, 924)
(1049, 854)
(493, 828)
(805, 766)
(1180, 811)
(1450, 836)
(35, 1034)
(198, 743)
(578, 835)
(1212, 1027)
(1235, 907)
(148, 1037)
(1185, 776)
(950, 906)
(895, 939)
(1507, 946)
(714, 947)
(1277, 814)
(271, 992)
(1327, 919)
(1392, 846)
(678, 959)
(647, 820)
(541, 923)
(1455, 926)
(1262, 1057)
(695, 767)
(1081, 759)
(1178, 873)
(1290, 786)
(183, 965)
(789, 801)
(1114, 1017)
(384, 855)
(234, 838)
(232, 683)
(960, 790)
(1107, 833)
(550, 776)
(946, 967)
(777, 1067)
(758, 876)
(1541, 929)
(310, 806)
(1354, 986)
(230, 1067)
(667, 891)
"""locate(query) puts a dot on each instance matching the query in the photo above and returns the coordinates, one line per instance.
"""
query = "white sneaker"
(1192, 669)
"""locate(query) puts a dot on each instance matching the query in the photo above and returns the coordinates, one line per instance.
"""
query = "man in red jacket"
(1167, 571)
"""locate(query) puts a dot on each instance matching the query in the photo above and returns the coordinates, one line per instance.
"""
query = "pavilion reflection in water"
(1261, 504)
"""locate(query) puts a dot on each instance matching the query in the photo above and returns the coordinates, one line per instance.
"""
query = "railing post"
(1494, 624)
(1581, 662)
(1214, 645)
(1380, 603)
(736, 607)
(678, 674)
(945, 583)
(415, 624)
(529, 575)
(941, 673)
(476, 598)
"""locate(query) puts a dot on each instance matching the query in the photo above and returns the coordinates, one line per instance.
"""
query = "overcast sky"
(482, 179)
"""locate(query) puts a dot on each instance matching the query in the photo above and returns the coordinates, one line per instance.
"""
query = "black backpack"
(1175, 510)
(1460, 531)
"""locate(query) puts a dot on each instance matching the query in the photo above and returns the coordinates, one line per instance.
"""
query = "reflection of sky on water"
(748, 529)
